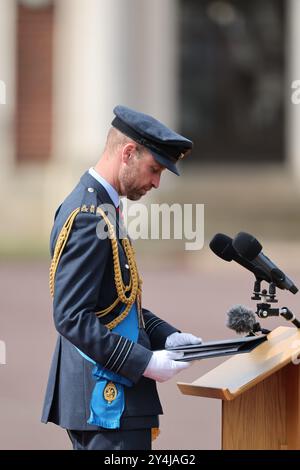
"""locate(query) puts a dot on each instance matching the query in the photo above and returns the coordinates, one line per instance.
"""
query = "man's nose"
(155, 181)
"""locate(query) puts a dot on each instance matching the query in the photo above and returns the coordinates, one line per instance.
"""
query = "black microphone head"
(246, 245)
(293, 289)
(241, 319)
(221, 245)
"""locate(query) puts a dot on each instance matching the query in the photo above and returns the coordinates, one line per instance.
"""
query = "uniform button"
(126, 266)
(91, 190)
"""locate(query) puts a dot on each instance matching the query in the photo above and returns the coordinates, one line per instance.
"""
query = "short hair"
(116, 139)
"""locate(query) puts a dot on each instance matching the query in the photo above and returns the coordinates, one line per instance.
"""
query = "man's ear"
(127, 152)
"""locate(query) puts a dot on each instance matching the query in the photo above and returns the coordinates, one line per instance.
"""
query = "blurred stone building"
(218, 71)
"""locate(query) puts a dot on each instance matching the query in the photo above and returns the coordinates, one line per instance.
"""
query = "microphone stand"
(264, 308)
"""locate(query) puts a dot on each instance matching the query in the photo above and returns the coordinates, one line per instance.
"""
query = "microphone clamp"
(264, 310)
(266, 296)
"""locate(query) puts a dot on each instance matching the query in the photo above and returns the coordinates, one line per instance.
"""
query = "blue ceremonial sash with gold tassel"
(108, 398)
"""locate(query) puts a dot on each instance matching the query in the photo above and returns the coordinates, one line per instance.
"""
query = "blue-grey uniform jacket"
(84, 284)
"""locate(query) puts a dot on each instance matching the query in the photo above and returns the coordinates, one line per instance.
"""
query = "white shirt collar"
(113, 194)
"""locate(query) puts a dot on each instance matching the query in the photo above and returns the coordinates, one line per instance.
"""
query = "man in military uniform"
(110, 350)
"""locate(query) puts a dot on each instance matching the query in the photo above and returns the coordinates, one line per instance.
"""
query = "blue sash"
(108, 398)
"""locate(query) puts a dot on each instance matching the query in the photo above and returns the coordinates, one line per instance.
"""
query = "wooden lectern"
(260, 393)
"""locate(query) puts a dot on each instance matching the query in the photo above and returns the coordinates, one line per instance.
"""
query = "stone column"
(89, 75)
(110, 52)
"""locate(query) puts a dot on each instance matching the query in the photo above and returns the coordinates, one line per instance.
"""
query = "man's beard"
(128, 179)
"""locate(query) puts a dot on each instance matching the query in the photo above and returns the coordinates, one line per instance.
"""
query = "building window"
(232, 79)
(34, 81)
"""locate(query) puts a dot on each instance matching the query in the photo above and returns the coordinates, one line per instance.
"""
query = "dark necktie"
(120, 219)
(119, 210)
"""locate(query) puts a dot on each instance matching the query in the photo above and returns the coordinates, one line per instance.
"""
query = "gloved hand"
(162, 365)
(181, 339)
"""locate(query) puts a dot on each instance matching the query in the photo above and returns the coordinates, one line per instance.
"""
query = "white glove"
(181, 339)
(162, 365)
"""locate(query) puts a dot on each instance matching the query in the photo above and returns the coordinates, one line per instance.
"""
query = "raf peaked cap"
(166, 146)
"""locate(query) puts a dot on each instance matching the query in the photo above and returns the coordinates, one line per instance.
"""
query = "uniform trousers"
(136, 439)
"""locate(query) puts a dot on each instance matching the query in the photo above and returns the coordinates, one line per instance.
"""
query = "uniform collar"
(113, 194)
(89, 181)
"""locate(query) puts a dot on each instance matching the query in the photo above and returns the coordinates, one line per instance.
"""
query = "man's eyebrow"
(157, 166)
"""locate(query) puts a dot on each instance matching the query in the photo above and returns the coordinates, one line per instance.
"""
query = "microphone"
(242, 320)
(249, 248)
(222, 246)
